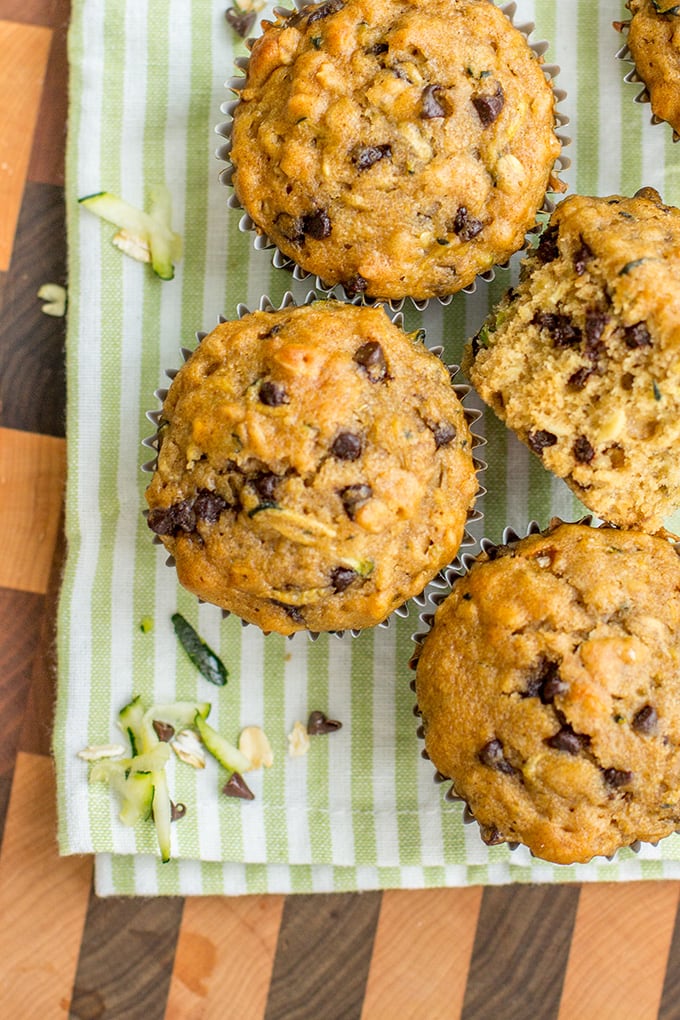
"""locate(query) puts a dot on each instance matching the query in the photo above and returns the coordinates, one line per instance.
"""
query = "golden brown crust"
(549, 687)
(582, 360)
(654, 44)
(396, 147)
(315, 468)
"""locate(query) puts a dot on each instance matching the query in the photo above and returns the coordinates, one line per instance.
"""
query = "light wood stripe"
(24, 49)
(43, 899)
(225, 954)
(619, 949)
(32, 473)
(424, 938)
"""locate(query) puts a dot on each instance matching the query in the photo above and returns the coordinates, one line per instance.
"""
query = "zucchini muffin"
(549, 687)
(654, 44)
(314, 468)
(397, 147)
(582, 359)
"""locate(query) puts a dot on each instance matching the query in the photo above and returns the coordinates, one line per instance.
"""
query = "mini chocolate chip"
(265, 484)
(546, 683)
(562, 330)
(465, 226)
(354, 497)
(330, 7)
(377, 48)
(342, 577)
(273, 394)
(241, 21)
(443, 431)
(489, 107)
(317, 225)
(177, 811)
(236, 786)
(548, 250)
(491, 836)
(163, 730)
(617, 777)
(581, 257)
(594, 327)
(492, 754)
(365, 156)
(583, 451)
(580, 377)
(173, 519)
(347, 446)
(371, 357)
(291, 227)
(294, 612)
(637, 336)
(646, 720)
(540, 439)
(355, 285)
(319, 722)
(566, 740)
(209, 505)
(431, 107)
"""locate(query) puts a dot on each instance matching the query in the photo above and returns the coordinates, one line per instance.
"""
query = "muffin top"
(315, 468)
(396, 147)
(654, 44)
(582, 359)
(549, 687)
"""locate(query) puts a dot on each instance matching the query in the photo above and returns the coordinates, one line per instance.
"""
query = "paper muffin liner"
(633, 78)
(462, 390)
(261, 242)
(436, 593)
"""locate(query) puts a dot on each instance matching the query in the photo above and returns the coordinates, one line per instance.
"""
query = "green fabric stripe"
(586, 152)
(362, 668)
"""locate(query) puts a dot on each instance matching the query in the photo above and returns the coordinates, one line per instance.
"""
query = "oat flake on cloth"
(360, 810)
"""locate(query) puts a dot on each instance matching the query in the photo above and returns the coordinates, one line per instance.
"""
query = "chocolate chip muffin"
(582, 359)
(396, 147)
(654, 44)
(549, 687)
(314, 468)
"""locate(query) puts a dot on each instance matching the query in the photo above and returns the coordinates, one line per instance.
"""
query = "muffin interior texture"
(315, 468)
(549, 685)
(582, 359)
(654, 44)
(396, 147)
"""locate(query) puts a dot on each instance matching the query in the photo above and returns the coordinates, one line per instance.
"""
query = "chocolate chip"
(342, 577)
(546, 683)
(365, 156)
(581, 257)
(443, 431)
(377, 48)
(354, 497)
(291, 227)
(646, 720)
(209, 505)
(491, 836)
(562, 330)
(431, 107)
(566, 740)
(489, 107)
(294, 612)
(236, 786)
(163, 730)
(273, 394)
(265, 484)
(594, 328)
(637, 336)
(371, 357)
(548, 250)
(173, 519)
(355, 285)
(540, 439)
(241, 21)
(580, 377)
(492, 754)
(617, 777)
(583, 451)
(317, 225)
(330, 7)
(465, 226)
(347, 446)
(319, 722)
(177, 811)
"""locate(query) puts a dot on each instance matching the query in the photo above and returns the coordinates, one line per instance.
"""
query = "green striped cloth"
(360, 810)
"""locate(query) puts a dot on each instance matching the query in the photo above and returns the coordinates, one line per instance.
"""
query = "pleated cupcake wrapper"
(261, 242)
(633, 78)
(461, 390)
(436, 592)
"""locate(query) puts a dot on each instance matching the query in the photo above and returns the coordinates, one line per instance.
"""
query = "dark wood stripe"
(669, 1008)
(49, 142)
(323, 956)
(34, 12)
(126, 958)
(511, 974)
(32, 376)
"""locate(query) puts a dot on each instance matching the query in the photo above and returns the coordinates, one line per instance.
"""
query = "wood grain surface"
(600, 952)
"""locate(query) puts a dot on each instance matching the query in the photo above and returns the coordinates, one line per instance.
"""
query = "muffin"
(397, 147)
(549, 687)
(582, 359)
(314, 468)
(654, 45)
